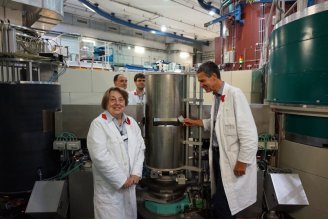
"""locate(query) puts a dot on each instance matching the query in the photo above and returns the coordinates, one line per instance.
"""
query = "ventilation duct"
(39, 14)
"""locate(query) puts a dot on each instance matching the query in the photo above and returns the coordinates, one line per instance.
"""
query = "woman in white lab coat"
(117, 149)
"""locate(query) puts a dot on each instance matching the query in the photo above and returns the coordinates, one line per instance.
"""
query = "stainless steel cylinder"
(164, 133)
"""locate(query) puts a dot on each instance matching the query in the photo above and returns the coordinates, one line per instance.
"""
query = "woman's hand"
(128, 183)
(133, 179)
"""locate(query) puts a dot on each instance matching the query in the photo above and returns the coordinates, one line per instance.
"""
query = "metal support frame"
(187, 142)
(236, 13)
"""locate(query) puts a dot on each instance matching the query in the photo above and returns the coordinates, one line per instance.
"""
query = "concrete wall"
(240, 79)
(84, 86)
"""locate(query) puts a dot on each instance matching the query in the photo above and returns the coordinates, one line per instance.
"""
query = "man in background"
(120, 81)
(138, 96)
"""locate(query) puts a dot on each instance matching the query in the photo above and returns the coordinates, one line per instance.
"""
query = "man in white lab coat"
(233, 146)
(116, 148)
(138, 96)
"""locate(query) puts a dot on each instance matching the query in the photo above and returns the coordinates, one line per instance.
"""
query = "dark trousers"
(219, 199)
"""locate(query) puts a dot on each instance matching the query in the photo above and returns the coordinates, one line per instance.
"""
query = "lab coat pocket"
(230, 134)
(113, 142)
(230, 126)
(117, 150)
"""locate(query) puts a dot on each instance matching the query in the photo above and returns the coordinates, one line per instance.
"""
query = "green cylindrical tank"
(298, 60)
(298, 73)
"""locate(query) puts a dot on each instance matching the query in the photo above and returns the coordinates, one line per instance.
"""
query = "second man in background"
(138, 96)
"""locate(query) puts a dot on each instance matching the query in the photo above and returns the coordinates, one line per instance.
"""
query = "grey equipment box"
(284, 191)
(48, 200)
(81, 194)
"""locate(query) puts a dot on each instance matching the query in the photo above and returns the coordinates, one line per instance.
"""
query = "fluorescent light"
(153, 31)
(139, 49)
(87, 40)
(212, 13)
(184, 55)
(88, 8)
(163, 28)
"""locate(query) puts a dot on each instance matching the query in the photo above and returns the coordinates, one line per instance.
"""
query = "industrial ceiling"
(181, 17)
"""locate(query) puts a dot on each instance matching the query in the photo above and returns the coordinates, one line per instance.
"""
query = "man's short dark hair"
(105, 99)
(116, 77)
(139, 75)
(209, 68)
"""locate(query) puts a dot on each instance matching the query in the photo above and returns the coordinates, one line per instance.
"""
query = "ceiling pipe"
(107, 15)
(208, 6)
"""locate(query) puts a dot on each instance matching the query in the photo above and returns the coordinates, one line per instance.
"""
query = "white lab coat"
(238, 140)
(112, 165)
(134, 98)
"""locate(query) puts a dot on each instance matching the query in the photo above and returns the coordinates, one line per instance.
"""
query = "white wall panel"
(102, 80)
(242, 79)
(75, 80)
(65, 98)
(86, 98)
(226, 76)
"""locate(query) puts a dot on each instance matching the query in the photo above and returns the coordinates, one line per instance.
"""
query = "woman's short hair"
(105, 98)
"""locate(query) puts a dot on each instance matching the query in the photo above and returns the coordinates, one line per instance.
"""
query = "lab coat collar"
(107, 116)
(136, 93)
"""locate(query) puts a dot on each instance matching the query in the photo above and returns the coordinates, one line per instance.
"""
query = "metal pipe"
(8, 71)
(200, 131)
(39, 73)
(12, 43)
(225, 4)
(209, 7)
(12, 71)
(290, 9)
(195, 90)
(266, 36)
(187, 116)
(30, 71)
(4, 38)
(1, 27)
(283, 8)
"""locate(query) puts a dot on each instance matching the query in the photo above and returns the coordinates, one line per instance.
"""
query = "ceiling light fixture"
(163, 28)
(88, 40)
(184, 55)
(139, 49)
(211, 12)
